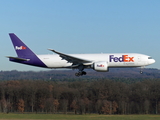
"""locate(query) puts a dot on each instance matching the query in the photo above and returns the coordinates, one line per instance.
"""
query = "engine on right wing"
(100, 66)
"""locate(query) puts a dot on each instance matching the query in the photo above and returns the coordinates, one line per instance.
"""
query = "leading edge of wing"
(72, 59)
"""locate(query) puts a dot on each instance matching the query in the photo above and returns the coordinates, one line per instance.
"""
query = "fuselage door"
(139, 58)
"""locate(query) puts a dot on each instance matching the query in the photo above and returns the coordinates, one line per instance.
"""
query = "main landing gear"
(80, 73)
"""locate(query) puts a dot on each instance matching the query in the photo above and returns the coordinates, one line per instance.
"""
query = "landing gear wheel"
(80, 73)
(84, 73)
(77, 74)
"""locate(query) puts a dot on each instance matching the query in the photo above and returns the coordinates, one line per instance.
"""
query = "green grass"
(11, 116)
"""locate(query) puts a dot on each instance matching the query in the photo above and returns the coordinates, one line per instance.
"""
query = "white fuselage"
(112, 59)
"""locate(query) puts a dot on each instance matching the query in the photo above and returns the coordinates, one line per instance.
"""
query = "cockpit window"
(149, 57)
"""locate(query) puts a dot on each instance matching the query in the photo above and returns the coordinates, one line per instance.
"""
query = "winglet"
(55, 51)
(51, 49)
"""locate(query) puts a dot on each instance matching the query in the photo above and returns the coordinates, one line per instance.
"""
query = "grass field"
(76, 117)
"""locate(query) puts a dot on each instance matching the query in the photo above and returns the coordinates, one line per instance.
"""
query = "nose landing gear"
(141, 71)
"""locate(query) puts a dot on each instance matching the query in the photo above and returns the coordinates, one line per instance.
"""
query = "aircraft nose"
(152, 61)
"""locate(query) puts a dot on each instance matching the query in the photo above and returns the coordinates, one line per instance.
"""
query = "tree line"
(68, 75)
(101, 96)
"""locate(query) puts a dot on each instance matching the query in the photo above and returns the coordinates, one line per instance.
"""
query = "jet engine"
(101, 66)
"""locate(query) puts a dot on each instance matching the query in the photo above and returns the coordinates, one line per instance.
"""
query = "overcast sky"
(80, 26)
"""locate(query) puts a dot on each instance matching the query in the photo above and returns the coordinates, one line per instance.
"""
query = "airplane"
(98, 62)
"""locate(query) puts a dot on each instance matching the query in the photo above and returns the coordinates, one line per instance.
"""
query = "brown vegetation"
(81, 97)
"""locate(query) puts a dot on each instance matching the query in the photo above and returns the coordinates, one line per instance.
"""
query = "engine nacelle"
(101, 66)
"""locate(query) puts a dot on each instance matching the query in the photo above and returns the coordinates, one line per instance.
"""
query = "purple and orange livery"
(124, 58)
(25, 55)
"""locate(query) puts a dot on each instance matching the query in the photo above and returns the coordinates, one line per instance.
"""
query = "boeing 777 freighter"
(98, 62)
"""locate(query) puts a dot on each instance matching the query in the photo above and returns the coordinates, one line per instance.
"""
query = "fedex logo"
(20, 48)
(124, 58)
(100, 65)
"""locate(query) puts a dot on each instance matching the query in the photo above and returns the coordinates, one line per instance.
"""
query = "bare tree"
(21, 105)
(74, 106)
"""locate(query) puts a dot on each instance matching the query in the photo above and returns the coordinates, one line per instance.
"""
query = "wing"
(71, 59)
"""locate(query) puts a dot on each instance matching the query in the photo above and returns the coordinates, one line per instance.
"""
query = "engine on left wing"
(101, 66)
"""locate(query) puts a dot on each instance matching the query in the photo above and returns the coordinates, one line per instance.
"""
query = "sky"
(80, 26)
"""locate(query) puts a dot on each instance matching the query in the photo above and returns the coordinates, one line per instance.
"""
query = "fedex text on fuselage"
(123, 58)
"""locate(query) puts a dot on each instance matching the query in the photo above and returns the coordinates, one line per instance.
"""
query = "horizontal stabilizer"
(17, 58)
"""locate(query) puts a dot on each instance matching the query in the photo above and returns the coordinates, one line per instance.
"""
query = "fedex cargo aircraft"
(98, 62)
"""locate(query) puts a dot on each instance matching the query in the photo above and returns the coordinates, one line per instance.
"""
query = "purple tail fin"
(25, 55)
(21, 49)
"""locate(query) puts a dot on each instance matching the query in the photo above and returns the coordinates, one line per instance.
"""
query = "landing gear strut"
(141, 71)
